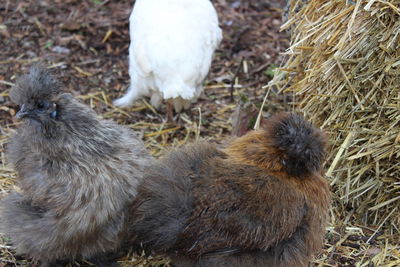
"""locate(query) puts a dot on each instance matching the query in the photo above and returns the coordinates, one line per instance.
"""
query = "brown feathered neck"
(289, 148)
(288, 144)
(255, 149)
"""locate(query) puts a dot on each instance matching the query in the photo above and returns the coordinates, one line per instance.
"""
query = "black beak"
(22, 113)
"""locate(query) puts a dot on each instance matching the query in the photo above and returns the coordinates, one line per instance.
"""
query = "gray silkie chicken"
(77, 174)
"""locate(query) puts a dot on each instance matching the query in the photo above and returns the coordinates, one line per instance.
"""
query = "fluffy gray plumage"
(76, 171)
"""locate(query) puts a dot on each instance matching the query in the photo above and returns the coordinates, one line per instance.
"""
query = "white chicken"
(172, 45)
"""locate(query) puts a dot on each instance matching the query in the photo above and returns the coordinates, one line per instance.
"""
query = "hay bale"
(344, 69)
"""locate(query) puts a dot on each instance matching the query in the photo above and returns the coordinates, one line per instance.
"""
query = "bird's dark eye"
(42, 105)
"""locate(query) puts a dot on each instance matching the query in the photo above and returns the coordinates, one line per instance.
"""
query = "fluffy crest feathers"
(289, 144)
(38, 83)
(302, 145)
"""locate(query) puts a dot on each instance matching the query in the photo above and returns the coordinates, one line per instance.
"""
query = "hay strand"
(343, 68)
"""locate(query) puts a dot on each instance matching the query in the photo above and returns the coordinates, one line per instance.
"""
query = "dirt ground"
(86, 45)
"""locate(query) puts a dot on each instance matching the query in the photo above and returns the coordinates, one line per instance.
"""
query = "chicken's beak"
(22, 113)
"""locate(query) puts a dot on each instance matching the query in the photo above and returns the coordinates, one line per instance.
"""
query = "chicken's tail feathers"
(161, 211)
(127, 99)
(301, 145)
(31, 232)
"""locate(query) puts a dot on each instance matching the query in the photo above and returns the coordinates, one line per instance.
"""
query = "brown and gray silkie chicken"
(260, 201)
(77, 175)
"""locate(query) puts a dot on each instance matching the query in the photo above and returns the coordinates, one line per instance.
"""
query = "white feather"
(172, 45)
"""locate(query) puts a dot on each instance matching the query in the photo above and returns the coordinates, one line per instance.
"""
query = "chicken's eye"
(41, 105)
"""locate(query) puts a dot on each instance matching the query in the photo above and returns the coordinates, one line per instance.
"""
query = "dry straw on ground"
(96, 71)
(344, 68)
